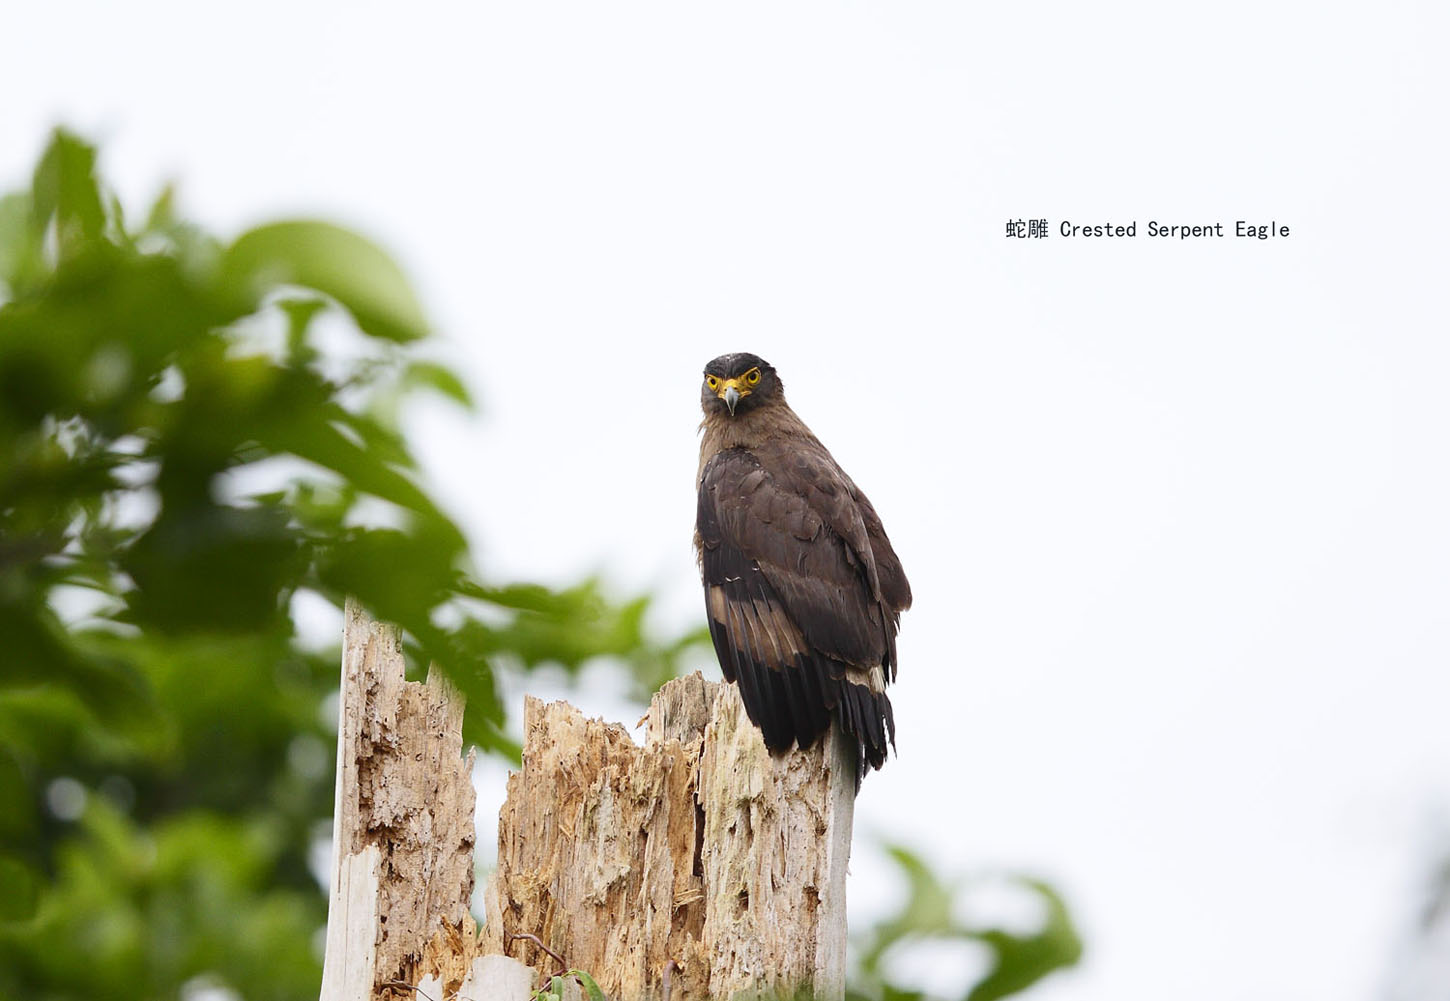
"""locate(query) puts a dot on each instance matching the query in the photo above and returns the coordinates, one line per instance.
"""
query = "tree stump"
(699, 859)
(699, 848)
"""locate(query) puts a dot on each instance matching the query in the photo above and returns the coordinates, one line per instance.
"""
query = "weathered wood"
(489, 978)
(403, 832)
(699, 848)
(699, 852)
(778, 838)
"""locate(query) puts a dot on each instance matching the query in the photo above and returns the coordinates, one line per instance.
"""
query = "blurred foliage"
(194, 436)
(1015, 960)
(197, 438)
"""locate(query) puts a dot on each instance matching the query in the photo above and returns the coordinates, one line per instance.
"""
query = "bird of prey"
(802, 589)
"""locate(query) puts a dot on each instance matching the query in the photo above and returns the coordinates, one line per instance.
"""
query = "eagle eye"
(753, 376)
(711, 381)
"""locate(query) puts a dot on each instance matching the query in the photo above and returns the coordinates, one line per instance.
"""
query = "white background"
(1175, 513)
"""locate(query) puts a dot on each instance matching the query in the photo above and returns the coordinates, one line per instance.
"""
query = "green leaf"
(1021, 960)
(439, 378)
(163, 211)
(65, 190)
(591, 989)
(21, 895)
(20, 257)
(1017, 961)
(334, 261)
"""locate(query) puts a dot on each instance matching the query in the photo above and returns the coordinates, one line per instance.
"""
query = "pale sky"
(1174, 512)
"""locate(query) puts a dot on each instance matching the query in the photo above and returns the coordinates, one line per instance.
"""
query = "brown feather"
(803, 589)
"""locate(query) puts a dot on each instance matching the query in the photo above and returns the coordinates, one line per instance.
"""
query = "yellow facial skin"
(742, 384)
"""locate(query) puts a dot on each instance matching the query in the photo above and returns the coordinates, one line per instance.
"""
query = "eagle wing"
(803, 594)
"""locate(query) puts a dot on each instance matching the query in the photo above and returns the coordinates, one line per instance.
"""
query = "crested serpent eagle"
(802, 589)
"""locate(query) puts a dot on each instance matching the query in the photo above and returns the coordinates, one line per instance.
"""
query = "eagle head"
(738, 383)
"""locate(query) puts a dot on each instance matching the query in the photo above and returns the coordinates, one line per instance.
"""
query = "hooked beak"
(731, 396)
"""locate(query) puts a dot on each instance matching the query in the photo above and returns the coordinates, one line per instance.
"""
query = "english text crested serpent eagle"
(802, 589)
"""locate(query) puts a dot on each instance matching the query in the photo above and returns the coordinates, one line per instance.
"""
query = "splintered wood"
(403, 832)
(699, 859)
(699, 849)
